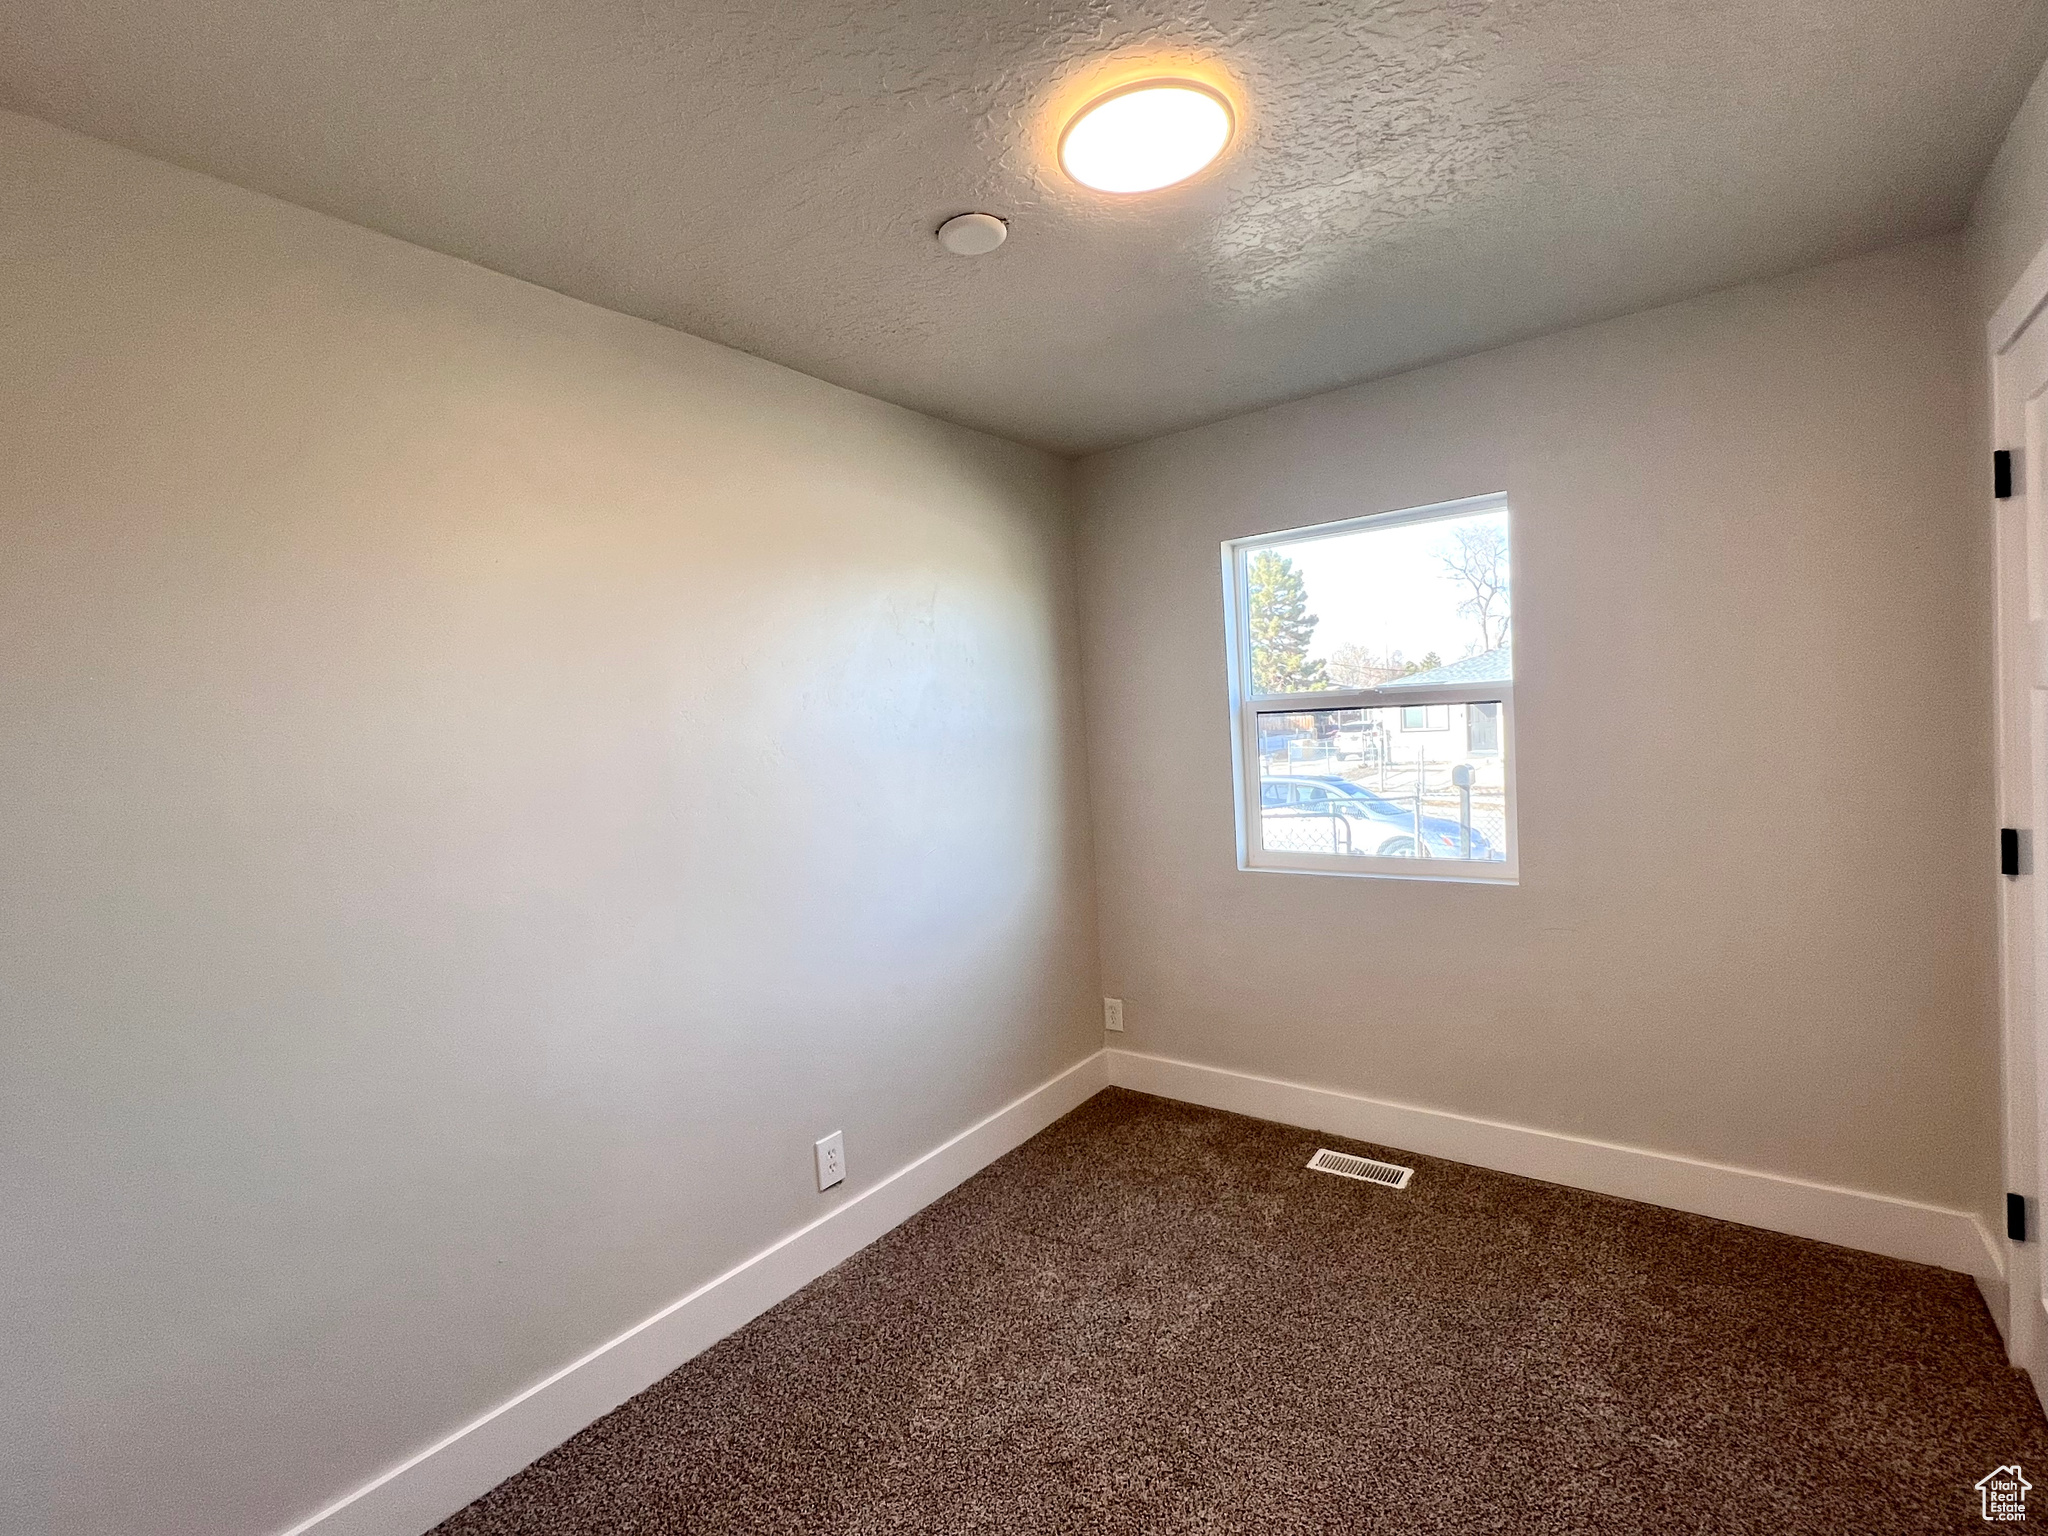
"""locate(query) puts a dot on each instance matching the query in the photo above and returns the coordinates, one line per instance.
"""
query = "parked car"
(1354, 742)
(1347, 818)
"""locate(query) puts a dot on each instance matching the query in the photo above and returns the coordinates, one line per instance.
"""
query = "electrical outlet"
(832, 1160)
(1113, 1014)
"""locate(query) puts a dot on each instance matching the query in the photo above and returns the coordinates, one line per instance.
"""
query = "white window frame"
(1246, 707)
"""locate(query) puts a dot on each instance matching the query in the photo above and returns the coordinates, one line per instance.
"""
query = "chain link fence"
(1358, 781)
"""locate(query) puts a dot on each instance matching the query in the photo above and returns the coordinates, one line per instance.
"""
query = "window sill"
(1463, 874)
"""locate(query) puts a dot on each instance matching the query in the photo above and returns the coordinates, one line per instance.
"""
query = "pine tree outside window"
(1372, 693)
(1282, 627)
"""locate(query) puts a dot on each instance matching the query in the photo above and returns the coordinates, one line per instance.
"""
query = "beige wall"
(484, 783)
(1756, 909)
(2009, 220)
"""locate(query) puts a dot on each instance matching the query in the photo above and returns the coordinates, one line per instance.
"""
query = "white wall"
(484, 783)
(1756, 916)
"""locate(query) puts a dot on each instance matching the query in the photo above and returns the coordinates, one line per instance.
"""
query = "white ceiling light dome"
(1145, 136)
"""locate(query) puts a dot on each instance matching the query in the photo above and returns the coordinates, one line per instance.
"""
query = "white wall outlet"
(1113, 1014)
(832, 1160)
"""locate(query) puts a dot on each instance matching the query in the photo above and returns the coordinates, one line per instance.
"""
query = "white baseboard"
(420, 1493)
(424, 1490)
(1899, 1229)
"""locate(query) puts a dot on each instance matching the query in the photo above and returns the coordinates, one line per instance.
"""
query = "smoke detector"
(973, 234)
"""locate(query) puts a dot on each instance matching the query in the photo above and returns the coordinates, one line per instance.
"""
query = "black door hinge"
(2009, 851)
(2016, 1216)
(2001, 473)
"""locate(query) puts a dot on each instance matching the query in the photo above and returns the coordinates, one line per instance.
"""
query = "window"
(1482, 729)
(1372, 684)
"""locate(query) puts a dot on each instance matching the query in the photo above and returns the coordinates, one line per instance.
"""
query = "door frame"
(2020, 774)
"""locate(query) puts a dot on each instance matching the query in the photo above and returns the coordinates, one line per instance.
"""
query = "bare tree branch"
(1476, 557)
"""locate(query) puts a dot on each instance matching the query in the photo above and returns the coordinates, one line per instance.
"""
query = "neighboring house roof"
(1494, 666)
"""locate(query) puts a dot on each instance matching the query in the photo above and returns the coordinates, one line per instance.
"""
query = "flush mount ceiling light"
(1146, 136)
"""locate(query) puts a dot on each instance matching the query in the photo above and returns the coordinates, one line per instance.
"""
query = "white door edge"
(2017, 356)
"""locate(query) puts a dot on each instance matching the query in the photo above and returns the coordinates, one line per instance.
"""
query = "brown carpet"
(1151, 1318)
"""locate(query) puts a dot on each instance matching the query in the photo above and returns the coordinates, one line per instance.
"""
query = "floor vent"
(1344, 1165)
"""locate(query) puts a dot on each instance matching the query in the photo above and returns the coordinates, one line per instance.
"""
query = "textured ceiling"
(1414, 180)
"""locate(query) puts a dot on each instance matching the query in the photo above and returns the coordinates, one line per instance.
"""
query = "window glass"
(1361, 787)
(1413, 604)
(1482, 729)
(1372, 690)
